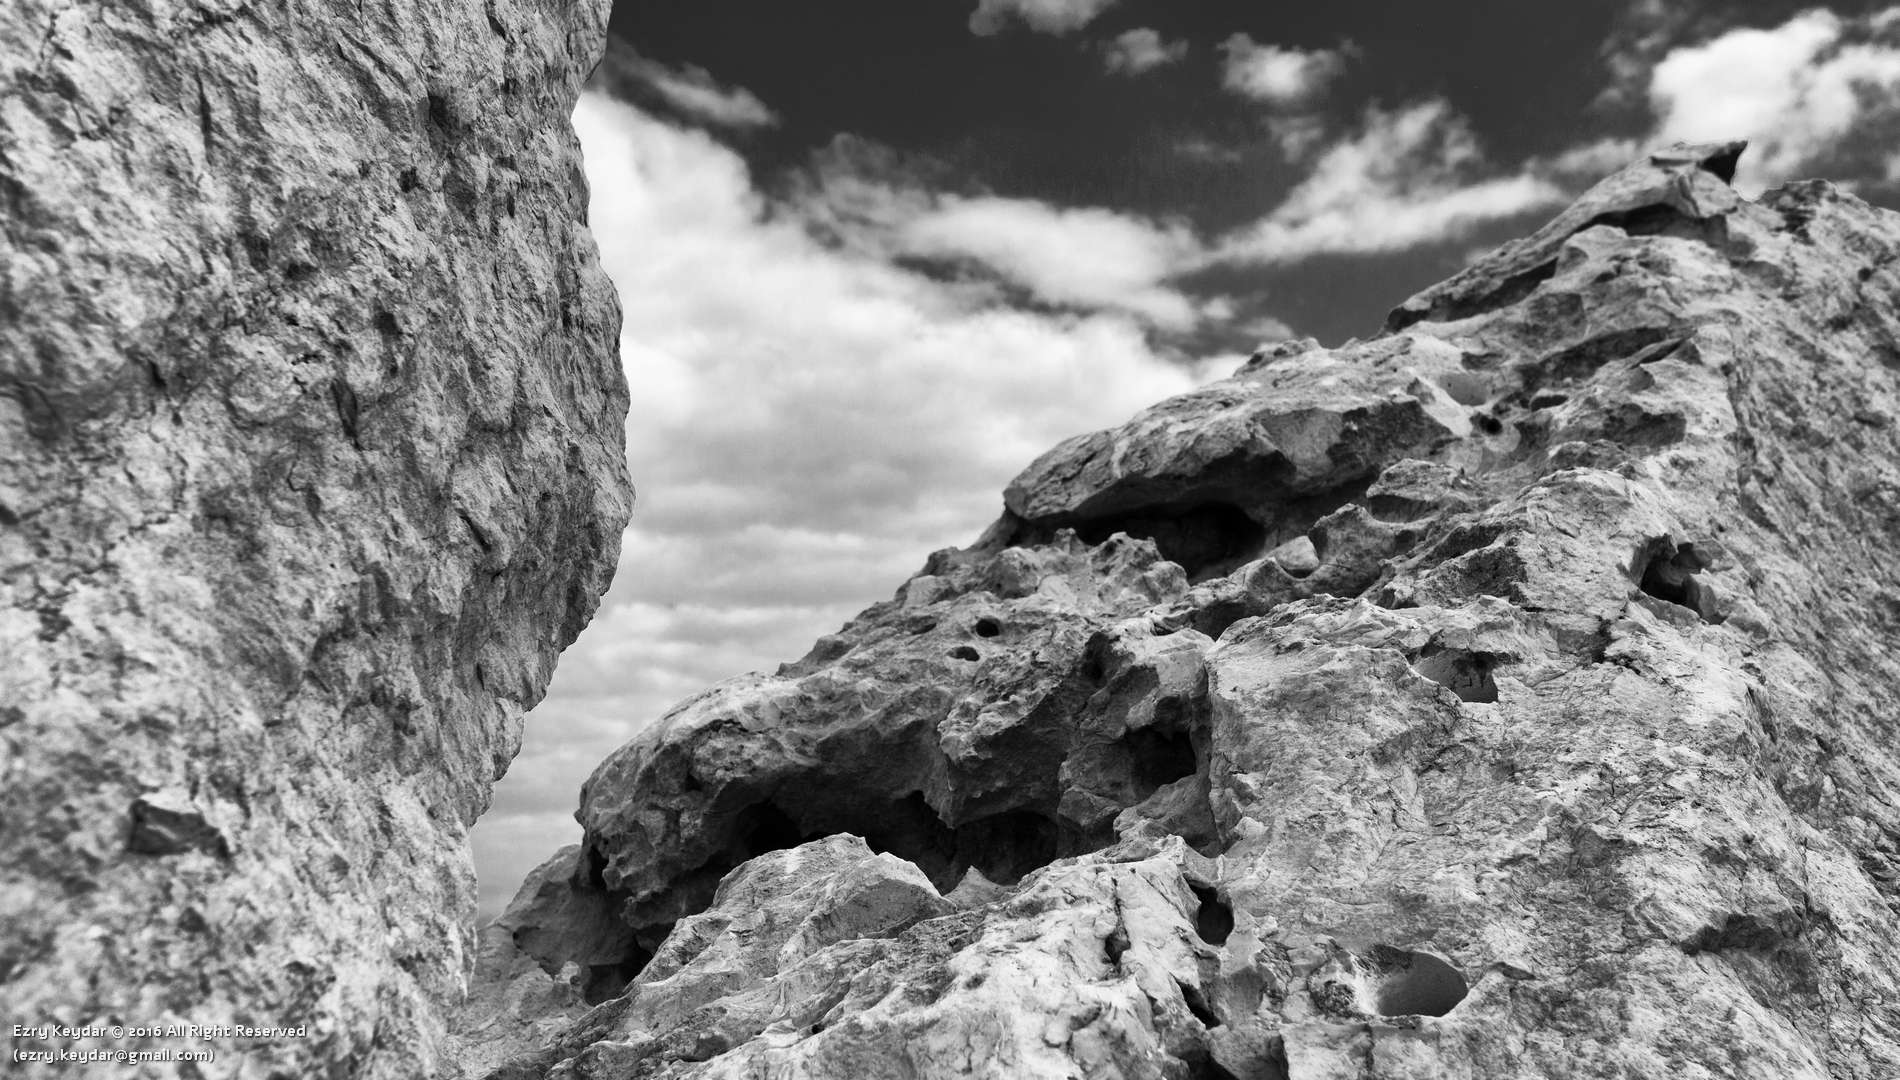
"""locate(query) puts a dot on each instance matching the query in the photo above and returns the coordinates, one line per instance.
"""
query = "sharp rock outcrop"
(311, 461)
(1512, 694)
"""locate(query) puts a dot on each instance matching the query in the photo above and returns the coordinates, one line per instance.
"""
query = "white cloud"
(1798, 91)
(1592, 161)
(1266, 329)
(693, 91)
(1047, 16)
(1400, 182)
(1281, 77)
(808, 423)
(1088, 257)
(1140, 50)
(869, 200)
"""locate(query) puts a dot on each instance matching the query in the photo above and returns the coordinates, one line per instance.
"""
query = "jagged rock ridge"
(313, 435)
(1510, 695)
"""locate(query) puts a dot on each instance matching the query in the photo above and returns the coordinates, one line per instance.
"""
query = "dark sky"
(1030, 114)
(1036, 114)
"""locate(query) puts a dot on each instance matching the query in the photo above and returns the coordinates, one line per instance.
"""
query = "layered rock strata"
(312, 433)
(1488, 699)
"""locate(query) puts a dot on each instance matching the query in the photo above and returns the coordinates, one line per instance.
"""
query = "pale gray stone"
(311, 462)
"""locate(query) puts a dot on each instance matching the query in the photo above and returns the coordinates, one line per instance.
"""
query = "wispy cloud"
(1085, 257)
(1141, 50)
(1045, 16)
(1407, 177)
(686, 90)
(1089, 259)
(1277, 75)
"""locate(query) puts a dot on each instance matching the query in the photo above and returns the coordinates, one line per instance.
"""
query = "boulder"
(311, 462)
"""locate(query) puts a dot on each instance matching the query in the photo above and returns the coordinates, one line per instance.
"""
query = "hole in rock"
(987, 627)
(1488, 424)
(1466, 674)
(1668, 573)
(1214, 921)
(910, 829)
(1722, 163)
(1197, 1004)
(1002, 847)
(762, 828)
(1416, 984)
(604, 982)
(1115, 946)
(1006, 846)
(1159, 758)
(964, 652)
(1208, 537)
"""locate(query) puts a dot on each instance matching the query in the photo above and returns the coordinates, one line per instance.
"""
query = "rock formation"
(311, 461)
(1511, 695)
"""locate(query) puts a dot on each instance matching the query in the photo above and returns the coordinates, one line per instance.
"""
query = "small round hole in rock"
(1466, 674)
(1668, 573)
(1417, 984)
(1214, 919)
(1489, 424)
(964, 652)
(987, 627)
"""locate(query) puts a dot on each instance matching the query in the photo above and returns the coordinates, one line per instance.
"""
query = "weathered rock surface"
(310, 464)
(1512, 695)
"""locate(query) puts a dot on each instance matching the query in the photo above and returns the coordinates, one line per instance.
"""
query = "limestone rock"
(310, 464)
(1511, 695)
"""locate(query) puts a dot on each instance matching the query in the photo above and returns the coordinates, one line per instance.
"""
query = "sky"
(875, 256)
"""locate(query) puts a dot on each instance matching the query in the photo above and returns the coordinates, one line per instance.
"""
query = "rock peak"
(1717, 159)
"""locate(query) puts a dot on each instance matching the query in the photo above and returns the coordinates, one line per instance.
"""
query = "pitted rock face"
(311, 422)
(1522, 706)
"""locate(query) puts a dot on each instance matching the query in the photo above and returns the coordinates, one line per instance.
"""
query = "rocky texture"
(312, 430)
(1510, 695)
